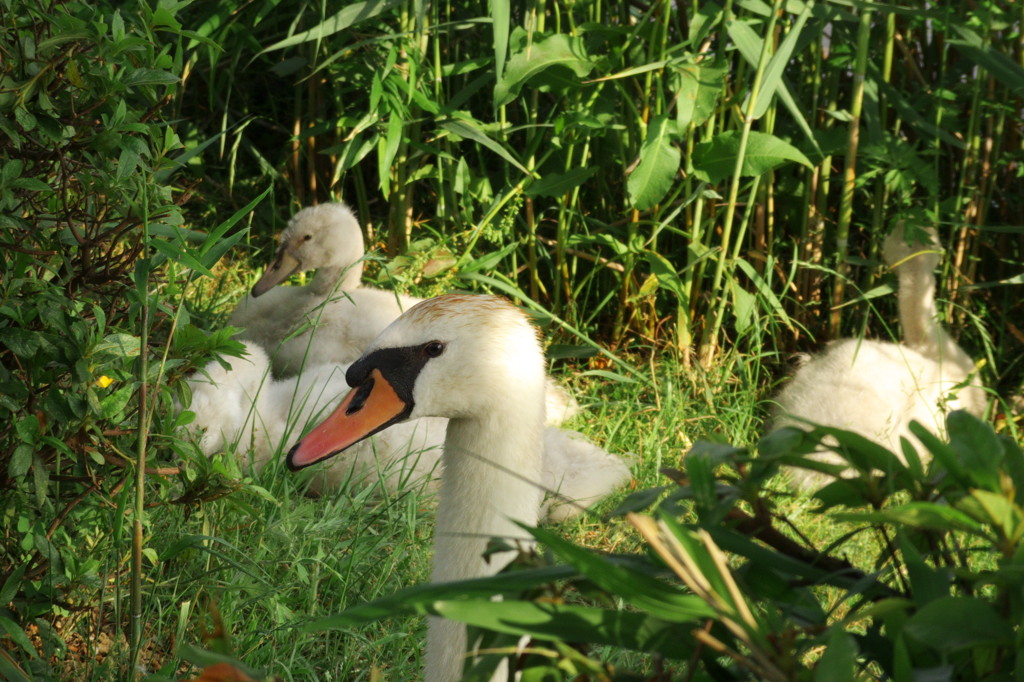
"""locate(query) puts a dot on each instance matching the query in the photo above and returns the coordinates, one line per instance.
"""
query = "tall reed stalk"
(142, 281)
(709, 342)
(850, 169)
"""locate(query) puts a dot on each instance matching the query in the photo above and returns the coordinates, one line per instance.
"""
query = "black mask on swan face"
(383, 384)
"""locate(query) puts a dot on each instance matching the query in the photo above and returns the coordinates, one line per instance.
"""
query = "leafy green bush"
(88, 219)
(734, 591)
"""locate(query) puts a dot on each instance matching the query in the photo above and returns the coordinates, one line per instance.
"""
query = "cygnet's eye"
(433, 348)
(307, 237)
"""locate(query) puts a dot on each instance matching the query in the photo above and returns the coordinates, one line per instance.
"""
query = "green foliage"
(88, 220)
(659, 182)
(729, 594)
(638, 136)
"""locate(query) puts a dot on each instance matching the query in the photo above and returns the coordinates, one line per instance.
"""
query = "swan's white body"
(334, 318)
(477, 361)
(576, 474)
(337, 329)
(243, 409)
(875, 388)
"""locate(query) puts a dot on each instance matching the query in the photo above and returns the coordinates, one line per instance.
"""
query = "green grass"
(618, 189)
(269, 557)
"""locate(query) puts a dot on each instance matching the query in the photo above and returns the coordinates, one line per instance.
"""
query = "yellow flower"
(104, 381)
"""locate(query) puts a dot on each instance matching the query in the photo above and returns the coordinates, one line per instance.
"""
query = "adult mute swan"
(334, 318)
(476, 360)
(876, 388)
(242, 408)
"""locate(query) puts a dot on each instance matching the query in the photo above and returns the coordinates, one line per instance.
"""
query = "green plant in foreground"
(93, 265)
(730, 593)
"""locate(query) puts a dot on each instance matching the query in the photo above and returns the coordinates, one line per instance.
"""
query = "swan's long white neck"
(919, 316)
(480, 499)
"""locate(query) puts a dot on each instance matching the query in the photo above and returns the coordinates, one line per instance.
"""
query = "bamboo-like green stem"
(709, 341)
(136, 629)
(850, 170)
(881, 192)
(965, 210)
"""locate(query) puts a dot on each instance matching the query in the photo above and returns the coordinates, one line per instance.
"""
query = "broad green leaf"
(216, 235)
(30, 184)
(571, 623)
(700, 88)
(178, 252)
(1004, 69)
(772, 78)
(928, 515)
(420, 599)
(11, 170)
(387, 148)
(137, 77)
(119, 346)
(643, 591)
(559, 351)
(607, 241)
(943, 454)
(20, 462)
(744, 306)
(24, 343)
(659, 162)
(749, 44)
(113, 404)
(12, 584)
(765, 291)
(634, 71)
(927, 583)
(864, 453)
(715, 160)
(994, 509)
(501, 19)
(11, 671)
(558, 50)
(127, 162)
(666, 274)
(953, 624)
(350, 15)
(17, 635)
(27, 429)
(489, 261)
(25, 119)
(557, 184)
(639, 500)
(978, 448)
(903, 666)
(839, 659)
(471, 130)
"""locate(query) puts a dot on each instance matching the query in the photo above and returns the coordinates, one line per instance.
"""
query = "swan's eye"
(359, 399)
(433, 349)
(307, 237)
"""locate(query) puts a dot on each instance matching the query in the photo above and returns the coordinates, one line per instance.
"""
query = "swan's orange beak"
(368, 408)
(280, 270)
